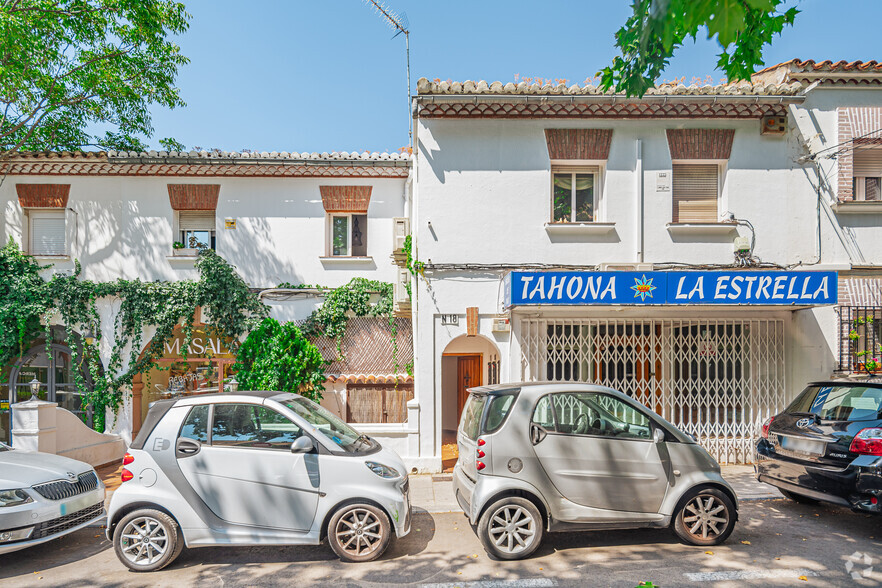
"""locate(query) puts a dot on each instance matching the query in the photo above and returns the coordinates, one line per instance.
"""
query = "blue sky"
(293, 75)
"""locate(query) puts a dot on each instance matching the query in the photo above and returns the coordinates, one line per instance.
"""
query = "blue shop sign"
(692, 287)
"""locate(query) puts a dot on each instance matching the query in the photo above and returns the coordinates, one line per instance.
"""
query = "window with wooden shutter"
(377, 403)
(695, 192)
(197, 228)
(47, 230)
(868, 173)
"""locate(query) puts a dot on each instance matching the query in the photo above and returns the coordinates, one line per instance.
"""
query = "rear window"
(499, 408)
(840, 403)
(471, 416)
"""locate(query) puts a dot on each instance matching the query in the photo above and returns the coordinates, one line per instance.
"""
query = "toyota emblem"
(803, 423)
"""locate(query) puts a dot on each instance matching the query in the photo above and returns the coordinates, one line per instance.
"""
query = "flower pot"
(186, 252)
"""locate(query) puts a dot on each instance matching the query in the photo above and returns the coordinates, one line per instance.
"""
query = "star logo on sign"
(643, 288)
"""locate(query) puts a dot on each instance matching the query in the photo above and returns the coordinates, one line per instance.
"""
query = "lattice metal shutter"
(717, 380)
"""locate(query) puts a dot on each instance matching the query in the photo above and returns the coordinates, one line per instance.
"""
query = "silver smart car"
(254, 468)
(569, 456)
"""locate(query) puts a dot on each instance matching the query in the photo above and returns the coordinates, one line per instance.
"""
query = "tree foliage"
(276, 356)
(657, 28)
(67, 66)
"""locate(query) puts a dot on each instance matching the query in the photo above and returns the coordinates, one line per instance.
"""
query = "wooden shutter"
(695, 192)
(868, 163)
(47, 233)
(191, 220)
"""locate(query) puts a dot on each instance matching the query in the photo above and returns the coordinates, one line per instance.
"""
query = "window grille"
(860, 338)
(716, 380)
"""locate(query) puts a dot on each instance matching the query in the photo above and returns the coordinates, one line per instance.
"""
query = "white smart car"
(254, 468)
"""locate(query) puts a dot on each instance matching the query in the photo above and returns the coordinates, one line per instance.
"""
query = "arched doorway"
(54, 368)
(467, 361)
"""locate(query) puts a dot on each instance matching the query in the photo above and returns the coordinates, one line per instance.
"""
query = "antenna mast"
(400, 24)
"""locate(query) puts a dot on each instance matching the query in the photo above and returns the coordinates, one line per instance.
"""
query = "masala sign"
(675, 287)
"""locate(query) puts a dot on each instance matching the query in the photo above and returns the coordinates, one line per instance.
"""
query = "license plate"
(807, 446)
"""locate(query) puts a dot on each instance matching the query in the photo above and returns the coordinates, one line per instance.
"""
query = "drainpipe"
(640, 199)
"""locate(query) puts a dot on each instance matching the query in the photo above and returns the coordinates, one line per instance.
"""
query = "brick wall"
(853, 122)
(43, 195)
(193, 196)
(700, 143)
(578, 143)
(345, 198)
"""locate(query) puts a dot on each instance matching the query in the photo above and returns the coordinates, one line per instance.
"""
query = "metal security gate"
(715, 379)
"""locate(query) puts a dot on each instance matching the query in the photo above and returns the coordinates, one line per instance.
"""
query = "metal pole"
(409, 122)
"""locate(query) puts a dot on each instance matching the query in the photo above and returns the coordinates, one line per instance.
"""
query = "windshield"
(839, 403)
(327, 422)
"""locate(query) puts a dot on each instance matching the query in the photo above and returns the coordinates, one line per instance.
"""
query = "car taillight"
(126, 475)
(868, 441)
(481, 442)
(766, 426)
(128, 458)
(480, 465)
(481, 453)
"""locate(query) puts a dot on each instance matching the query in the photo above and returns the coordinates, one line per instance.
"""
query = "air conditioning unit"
(626, 267)
(400, 231)
(401, 297)
(501, 325)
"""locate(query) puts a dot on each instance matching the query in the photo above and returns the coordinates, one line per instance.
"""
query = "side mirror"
(303, 444)
(658, 435)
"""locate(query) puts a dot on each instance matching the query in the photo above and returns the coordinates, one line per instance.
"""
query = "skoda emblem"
(803, 423)
(71, 476)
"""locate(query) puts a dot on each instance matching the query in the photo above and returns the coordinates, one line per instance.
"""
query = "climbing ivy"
(355, 297)
(27, 301)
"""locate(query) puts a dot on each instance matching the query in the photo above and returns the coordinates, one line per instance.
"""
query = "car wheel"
(511, 528)
(359, 532)
(147, 540)
(705, 518)
(797, 497)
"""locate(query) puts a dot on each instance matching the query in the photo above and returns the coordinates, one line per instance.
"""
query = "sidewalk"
(434, 492)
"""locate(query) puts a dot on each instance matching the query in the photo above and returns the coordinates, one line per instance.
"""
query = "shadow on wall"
(253, 249)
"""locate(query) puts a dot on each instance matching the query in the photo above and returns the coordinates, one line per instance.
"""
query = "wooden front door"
(469, 372)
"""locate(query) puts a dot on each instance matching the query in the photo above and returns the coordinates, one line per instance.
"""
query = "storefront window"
(184, 371)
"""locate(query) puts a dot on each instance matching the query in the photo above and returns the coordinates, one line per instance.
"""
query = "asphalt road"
(775, 543)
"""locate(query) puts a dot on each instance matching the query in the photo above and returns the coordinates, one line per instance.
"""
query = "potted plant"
(180, 250)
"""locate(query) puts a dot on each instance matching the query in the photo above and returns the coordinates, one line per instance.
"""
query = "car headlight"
(14, 498)
(381, 470)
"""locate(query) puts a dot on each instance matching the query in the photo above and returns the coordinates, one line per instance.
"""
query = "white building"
(514, 180)
(278, 217)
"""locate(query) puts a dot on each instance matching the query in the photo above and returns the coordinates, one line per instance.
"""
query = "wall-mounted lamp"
(89, 337)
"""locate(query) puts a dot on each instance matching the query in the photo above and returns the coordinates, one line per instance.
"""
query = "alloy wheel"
(512, 529)
(144, 541)
(706, 516)
(358, 532)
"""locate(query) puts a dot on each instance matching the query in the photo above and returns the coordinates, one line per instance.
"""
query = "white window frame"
(179, 231)
(329, 241)
(860, 177)
(722, 166)
(577, 166)
(55, 213)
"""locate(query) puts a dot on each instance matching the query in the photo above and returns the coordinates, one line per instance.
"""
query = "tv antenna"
(399, 24)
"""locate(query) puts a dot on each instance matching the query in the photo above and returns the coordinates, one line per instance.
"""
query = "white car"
(254, 468)
(45, 496)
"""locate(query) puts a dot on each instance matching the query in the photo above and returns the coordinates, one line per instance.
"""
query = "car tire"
(706, 517)
(359, 532)
(160, 540)
(511, 528)
(797, 497)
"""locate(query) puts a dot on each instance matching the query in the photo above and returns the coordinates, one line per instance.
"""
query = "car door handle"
(537, 433)
(185, 447)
